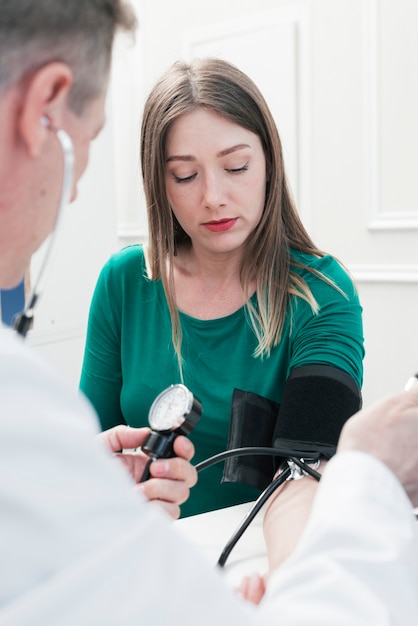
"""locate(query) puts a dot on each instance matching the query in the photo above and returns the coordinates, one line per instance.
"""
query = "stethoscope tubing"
(23, 320)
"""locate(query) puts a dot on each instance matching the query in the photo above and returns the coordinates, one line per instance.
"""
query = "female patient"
(230, 295)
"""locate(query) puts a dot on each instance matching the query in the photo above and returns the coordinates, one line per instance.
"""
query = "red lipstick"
(220, 225)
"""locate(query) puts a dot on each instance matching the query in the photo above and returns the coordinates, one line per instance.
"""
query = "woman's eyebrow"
(180, 157)
(239, 146)
(189, 157)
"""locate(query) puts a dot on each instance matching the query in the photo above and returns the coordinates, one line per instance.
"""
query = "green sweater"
(129, 357)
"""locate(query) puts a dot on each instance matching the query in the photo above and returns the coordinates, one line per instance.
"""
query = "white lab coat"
(78, 546)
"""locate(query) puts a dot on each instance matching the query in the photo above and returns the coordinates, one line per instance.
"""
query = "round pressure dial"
(175, 408)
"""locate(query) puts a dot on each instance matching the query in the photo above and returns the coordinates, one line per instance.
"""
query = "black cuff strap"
(317, 401)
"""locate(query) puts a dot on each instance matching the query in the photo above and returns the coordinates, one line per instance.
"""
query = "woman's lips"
(220, 225)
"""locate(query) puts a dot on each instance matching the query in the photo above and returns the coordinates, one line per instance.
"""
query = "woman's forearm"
(285, 516)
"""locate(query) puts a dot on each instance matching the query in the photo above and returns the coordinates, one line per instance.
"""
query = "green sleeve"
(101, 375)
(333, 336)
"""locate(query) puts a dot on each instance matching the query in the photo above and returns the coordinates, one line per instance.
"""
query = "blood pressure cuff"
(317, 401)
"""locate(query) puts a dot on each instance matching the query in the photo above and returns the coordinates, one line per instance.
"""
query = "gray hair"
(79, 33)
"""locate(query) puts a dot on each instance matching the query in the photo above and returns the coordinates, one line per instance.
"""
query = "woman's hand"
(252, 588)
(170, 479)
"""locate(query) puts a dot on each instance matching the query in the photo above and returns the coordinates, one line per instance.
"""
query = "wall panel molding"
(384, 273)
(377, 217)
(48, 337)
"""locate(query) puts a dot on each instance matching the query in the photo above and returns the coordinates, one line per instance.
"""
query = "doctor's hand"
(170, 479)
(389, 431)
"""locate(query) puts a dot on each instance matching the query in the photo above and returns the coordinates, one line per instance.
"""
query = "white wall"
(341, 79)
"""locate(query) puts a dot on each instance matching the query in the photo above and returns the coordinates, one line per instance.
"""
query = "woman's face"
(215, 176)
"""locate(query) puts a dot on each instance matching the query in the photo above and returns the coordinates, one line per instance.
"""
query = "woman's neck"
(208, 286)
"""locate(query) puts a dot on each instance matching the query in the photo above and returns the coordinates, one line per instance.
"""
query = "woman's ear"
(45, 100)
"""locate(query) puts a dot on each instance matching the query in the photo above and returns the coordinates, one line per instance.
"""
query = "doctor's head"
(55, 59)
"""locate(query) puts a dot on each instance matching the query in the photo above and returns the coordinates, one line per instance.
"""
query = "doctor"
(77, 544)
(34, 181)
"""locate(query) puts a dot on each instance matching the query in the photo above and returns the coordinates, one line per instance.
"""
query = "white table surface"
(211, 531)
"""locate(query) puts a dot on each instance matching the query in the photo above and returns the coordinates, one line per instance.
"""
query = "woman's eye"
(237, 170)
(185, 179)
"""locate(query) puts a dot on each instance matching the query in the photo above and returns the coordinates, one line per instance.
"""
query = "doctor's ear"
(48, 90)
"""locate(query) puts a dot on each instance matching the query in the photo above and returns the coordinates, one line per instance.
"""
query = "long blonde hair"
(221, 87)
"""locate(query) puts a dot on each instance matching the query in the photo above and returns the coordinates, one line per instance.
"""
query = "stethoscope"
(23, 320)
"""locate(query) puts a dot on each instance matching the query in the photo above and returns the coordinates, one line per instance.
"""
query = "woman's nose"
(213, 193)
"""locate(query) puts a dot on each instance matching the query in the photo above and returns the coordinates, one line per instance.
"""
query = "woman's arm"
(321, 393)
(101, 374)
(286, 515)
